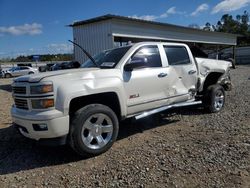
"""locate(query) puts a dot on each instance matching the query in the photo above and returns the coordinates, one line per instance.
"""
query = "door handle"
(192, 72)
(161, 75)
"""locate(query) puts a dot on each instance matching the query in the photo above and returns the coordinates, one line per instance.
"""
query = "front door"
(146, 87)
(24, 71)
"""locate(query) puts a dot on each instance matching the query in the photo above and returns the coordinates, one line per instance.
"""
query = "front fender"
(89, 87)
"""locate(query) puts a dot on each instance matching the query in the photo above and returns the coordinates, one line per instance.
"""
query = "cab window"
(148, 54)
(177, 55)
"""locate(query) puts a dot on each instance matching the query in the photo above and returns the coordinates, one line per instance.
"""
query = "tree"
(245, 18)
(22, 59)
(238, 18)
(207, 27)
(45, 57)
(239, 25)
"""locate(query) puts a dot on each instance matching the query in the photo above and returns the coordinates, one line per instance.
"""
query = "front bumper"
(57, 123)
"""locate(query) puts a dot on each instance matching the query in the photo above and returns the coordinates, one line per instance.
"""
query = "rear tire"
(94, 129)
(7, 75)
(214, 98)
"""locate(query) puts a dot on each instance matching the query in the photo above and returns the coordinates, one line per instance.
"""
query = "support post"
(120, 40)
(217, 52)
(234, 58)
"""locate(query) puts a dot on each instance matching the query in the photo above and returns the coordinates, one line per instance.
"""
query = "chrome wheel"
(97, 131)
(219, 100)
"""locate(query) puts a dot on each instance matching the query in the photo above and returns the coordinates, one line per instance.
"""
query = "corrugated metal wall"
(242, 54)
(93, 37)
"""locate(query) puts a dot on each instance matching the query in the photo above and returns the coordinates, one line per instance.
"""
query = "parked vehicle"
(65, 65)
(83, 107)
(1, 73)
(46, 67)
(24, 65)
(19, 71)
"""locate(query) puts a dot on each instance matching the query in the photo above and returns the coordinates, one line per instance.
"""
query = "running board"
(148, 113)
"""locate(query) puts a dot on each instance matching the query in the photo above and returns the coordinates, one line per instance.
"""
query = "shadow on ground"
(18, 153)
(6, 87)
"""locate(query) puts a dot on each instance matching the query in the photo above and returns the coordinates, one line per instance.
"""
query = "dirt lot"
(182, 148)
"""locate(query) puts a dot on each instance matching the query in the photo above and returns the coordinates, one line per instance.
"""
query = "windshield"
(107, 59)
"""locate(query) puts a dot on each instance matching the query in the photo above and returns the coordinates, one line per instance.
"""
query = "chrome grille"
(21, 103)
(19, 89)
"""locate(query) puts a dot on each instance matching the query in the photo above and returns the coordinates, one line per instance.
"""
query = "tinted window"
(75, 64)
(24, 68)
(14, 69)
(177, 55)
(148, 54)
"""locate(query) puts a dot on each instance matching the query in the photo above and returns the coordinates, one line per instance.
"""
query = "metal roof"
(111, 16)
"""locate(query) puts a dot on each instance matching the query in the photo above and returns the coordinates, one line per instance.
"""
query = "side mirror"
(136, 63)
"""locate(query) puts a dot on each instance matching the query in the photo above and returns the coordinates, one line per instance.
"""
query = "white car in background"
(19, 71)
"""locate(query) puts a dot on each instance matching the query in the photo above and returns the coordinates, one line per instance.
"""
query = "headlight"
(42, 103)
(40, 89)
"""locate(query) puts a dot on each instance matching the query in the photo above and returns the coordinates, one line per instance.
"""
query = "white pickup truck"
(83, 107)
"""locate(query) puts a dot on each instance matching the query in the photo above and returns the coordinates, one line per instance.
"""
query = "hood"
(210, 65)
(39, 76)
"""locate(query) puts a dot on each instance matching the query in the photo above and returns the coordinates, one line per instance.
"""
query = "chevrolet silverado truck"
(83, 107)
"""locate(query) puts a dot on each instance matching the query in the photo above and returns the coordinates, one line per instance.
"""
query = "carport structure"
(109, 31)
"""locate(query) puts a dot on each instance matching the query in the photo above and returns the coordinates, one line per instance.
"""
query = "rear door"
(181, 61)
(24, 71)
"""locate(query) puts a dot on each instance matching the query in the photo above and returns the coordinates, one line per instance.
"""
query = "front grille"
(19, 89)
(21, 103)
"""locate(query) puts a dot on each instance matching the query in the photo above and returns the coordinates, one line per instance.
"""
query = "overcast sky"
(39, 26)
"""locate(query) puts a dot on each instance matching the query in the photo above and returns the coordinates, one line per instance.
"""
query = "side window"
(17, 69)
(24, 68)
(177, 55)
(148, 54)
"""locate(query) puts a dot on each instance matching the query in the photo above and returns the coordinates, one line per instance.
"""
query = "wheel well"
(211, 79)
(8, 74)
(109, 99)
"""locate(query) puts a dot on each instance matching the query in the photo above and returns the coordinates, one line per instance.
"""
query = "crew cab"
(83, 107)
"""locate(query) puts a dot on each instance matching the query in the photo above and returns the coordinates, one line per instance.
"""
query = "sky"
(29, 27)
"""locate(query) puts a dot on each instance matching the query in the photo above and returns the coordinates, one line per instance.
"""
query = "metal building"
(108, 31)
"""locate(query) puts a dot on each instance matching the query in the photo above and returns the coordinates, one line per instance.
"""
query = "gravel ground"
(182, 148)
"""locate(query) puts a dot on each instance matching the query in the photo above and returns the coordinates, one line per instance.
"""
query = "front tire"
(214, 98)
(94, 129)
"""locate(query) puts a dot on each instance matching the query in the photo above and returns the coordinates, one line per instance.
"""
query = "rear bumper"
(57, 124)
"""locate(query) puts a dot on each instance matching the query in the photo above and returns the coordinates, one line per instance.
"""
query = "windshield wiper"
(85, 52)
